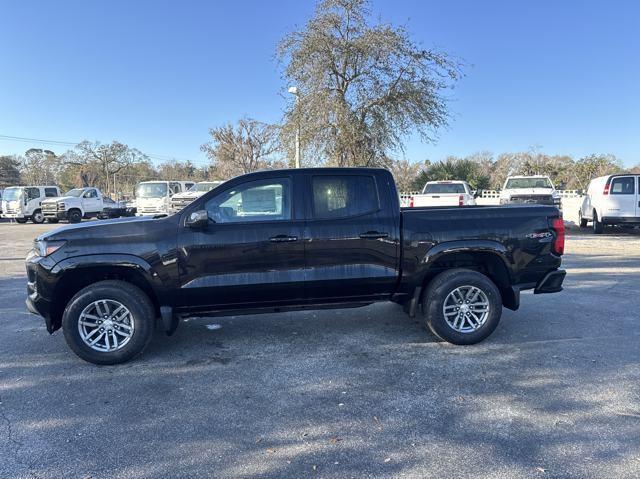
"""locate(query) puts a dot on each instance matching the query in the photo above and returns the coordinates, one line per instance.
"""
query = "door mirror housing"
(197, 219)
(477, 193)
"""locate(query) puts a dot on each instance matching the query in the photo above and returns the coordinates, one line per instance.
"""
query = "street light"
(294, 91)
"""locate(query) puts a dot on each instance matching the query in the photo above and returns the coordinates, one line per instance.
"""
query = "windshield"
(76, 192)
(151, 190)
(444, 188)
(205, 186)
(12, 194)
(514, 183)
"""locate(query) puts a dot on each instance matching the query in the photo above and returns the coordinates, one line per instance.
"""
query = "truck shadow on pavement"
(344, 393)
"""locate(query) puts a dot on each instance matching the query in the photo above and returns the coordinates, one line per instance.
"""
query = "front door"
(352, 238)
(251, 253)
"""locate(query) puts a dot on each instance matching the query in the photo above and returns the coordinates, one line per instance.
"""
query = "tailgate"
(438, 199)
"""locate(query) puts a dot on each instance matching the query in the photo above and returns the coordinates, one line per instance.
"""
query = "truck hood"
(187, 195)
(104, 229)
(58, 199)
(527, 191)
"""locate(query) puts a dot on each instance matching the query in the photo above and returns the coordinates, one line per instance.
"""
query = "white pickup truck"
(534, 189)
(180, 200)
(74, 205)
(444, 193)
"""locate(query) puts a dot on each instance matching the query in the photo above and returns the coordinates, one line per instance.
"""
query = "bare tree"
(39, 167)
(9, 171)
(363, 86)
(405, 173)
(108, 159)
(248, 146)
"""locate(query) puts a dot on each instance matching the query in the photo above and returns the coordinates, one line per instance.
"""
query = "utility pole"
(294, 91)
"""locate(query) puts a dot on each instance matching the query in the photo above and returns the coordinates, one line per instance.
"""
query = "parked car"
(611, 200)
(76, 204)
(180, 200)
(23, 203)
(534, 189)
(154, 197)
(444, 193)
(114, 209)
(285, 240)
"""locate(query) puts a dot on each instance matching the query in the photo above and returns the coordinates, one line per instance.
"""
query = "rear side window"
(343, 196)
(623, 186)
(50, 192)
(444, 188)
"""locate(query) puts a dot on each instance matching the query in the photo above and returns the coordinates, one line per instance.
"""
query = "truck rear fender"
(81, 271)
(490, 258)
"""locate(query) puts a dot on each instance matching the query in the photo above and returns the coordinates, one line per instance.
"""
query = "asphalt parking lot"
(553, 393)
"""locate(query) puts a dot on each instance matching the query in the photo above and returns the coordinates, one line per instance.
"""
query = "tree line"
(362, 88)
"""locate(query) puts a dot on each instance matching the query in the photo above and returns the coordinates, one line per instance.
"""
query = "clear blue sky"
(564, 75)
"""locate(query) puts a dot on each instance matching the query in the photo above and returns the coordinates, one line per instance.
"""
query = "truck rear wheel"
(462, 306)
(583, 221)
(74, 216)
(37, 217)
(108, 322)
(598, 227)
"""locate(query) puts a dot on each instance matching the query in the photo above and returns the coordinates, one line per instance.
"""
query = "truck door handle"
(283, 239)
(373, 235)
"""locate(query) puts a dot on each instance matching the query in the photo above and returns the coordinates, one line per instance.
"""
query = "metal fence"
(490, 194)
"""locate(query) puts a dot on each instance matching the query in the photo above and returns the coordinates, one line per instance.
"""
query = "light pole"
(294, 91)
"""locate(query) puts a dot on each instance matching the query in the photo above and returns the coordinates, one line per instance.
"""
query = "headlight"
(45, 248)
(61, 206)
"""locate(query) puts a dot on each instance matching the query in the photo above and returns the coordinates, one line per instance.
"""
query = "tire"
(21, 220)
(52, 220)
(74, 216)
(598, 227)
(481, 321)
(583, 221)
(37, 217)
(137, 323)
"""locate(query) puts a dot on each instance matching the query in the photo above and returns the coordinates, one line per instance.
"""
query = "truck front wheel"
(108, 322)
(37, 217)
(462, 306)
(74, 216)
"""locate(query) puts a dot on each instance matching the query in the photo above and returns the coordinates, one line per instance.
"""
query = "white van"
(611, 200)
(22, 203)
(154, 197)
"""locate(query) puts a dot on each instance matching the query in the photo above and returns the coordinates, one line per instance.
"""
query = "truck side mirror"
(198, 219)
(477, 193)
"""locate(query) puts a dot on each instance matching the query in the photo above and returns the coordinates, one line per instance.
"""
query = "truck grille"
(532, 199)
(10, 211)
(178, 204)
(46, 207)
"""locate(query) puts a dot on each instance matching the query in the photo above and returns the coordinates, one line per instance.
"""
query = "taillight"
(411, 202)
(558, 244)
(606, 188)
(461, 200)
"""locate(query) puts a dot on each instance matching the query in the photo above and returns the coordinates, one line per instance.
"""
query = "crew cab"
(286, 240)
(74, 205)
(444, 193)
(535, 189)
(23, 203)
(611, 200)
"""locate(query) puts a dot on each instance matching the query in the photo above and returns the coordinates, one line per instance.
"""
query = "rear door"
(352, 237)
(622, 197)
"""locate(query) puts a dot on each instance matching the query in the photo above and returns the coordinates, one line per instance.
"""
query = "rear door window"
(342, 196)
(623, 186)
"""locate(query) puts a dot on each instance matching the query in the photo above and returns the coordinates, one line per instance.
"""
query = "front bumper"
(59, 215)
(14, 215)
(551, 283)
(36, 304)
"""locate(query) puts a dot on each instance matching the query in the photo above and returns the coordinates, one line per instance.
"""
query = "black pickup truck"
(288, 240)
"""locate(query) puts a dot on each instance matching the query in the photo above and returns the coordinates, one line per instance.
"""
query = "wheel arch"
(487, 257)
(78, 273)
